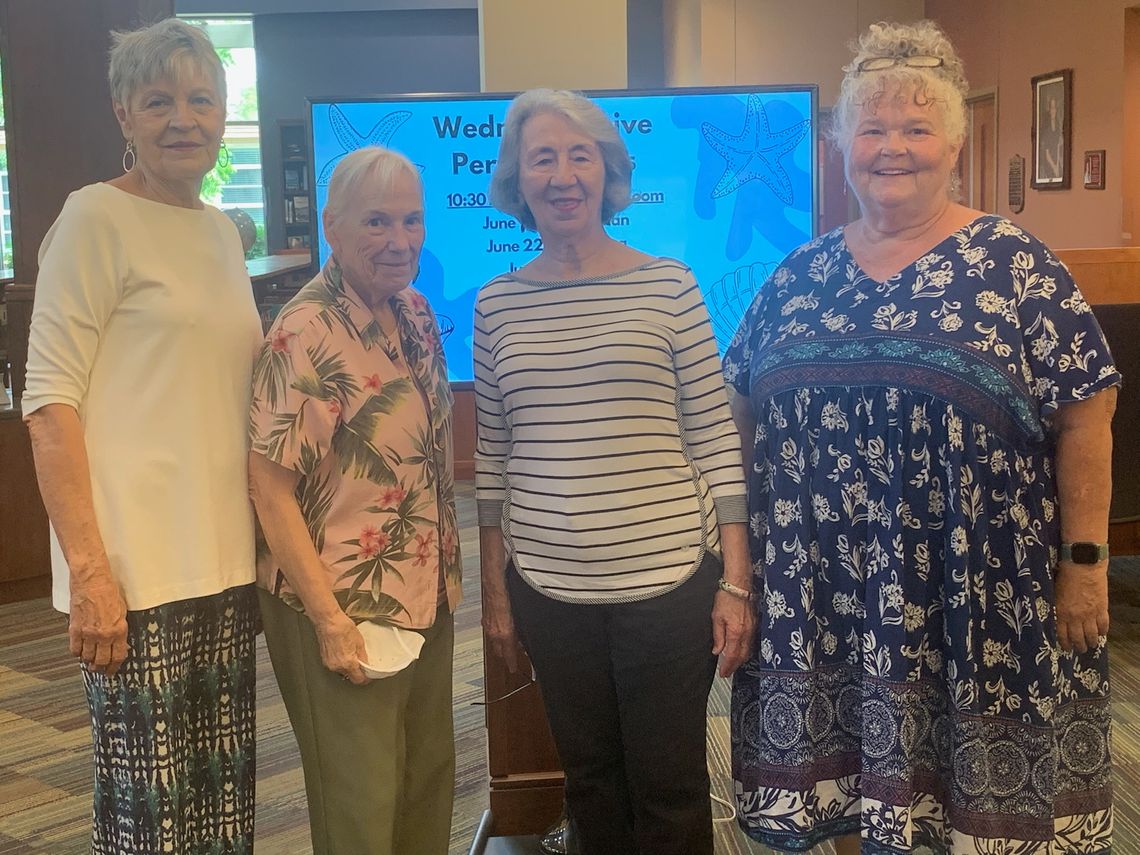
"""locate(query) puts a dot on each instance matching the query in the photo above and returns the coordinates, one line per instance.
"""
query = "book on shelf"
(300, 209)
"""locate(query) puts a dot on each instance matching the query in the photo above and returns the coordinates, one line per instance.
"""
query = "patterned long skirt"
(173, 731)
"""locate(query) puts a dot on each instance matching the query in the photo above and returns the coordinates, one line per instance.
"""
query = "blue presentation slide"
(723, 180)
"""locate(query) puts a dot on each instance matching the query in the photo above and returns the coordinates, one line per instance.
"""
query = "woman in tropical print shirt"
(351, 471)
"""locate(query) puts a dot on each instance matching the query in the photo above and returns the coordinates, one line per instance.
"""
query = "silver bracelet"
(732, 589)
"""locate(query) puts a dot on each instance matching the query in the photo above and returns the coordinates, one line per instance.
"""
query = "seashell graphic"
(730, 296)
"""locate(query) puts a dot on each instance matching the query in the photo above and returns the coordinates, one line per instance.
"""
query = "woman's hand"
(342, 647)
(273, 489)
(499, 627)
(734, 623)
(1082, 604)
(97, 628)
(498, 622)
(733, 618)
(1083, 431)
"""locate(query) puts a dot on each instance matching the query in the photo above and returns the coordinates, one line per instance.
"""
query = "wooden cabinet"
(526, 775)
(25, 560)
(276, 279)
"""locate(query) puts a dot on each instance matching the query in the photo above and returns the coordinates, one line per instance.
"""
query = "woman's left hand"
(1082, 605)
(734, 623)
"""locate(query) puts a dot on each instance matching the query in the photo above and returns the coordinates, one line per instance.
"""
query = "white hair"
(369, 166)
(160, 51)
(590, 119)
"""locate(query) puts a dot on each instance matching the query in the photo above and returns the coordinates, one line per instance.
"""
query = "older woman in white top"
(142, 344)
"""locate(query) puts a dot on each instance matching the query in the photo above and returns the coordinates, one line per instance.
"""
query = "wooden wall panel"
(61, 130)
(463, 424)
(18, 298)
(1108, 275)
(24, 557)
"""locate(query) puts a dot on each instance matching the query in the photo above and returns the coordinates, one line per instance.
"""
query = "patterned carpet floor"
(45, 769)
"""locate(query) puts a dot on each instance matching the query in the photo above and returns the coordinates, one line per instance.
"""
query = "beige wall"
(1004, 45)
(711, 42)
(527, 43)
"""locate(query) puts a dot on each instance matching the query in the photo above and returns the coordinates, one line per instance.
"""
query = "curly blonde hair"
(945, 86)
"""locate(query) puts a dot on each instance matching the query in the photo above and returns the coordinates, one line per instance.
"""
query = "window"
(238, 184)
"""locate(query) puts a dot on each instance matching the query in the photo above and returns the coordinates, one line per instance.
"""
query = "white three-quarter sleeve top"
(144, 322)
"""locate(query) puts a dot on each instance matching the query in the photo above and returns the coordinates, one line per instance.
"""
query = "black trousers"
(626, 688)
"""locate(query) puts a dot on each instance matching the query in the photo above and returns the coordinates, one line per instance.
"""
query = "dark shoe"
(560, 838)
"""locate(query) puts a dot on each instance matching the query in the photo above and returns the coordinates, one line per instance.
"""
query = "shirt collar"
(352, 307)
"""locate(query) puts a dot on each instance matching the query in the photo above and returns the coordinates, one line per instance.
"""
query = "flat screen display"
(723, 179)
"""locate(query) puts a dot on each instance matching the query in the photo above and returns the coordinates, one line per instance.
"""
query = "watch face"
(1085, 553)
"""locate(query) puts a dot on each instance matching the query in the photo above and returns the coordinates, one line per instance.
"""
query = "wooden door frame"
(974, 96)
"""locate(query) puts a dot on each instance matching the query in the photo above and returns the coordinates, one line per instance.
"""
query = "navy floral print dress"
(907, 682)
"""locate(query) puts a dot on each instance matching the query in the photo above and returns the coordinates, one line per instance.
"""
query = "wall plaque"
(1017, 184)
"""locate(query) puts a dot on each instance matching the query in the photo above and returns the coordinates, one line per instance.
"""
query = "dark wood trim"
(528, 809)
(270, 267)
(463, 426)
(526, 775)
(25, 557)
(19, 301)
(1124, 538)
(21, 590)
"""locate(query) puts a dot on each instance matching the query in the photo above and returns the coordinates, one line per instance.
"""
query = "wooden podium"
(526, 776)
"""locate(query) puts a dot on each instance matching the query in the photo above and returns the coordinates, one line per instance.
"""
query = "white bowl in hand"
(390, 649)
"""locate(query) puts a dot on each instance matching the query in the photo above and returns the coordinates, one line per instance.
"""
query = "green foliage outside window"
(215, 180)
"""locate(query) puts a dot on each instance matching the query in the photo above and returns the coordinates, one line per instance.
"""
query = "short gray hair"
(945, 87)
(364, 166)
(590, 119)
(158, 52)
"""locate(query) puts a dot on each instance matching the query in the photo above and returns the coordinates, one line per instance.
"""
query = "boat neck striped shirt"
(606, 450)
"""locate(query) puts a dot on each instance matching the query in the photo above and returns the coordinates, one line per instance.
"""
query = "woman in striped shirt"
(611, 497)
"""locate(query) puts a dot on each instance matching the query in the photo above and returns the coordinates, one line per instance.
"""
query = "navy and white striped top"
(606, 448)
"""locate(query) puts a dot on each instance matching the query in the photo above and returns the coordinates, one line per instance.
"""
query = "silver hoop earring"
(129, 154)
(224, 158)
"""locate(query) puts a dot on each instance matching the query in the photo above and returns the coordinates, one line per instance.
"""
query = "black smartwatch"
(1084, 552)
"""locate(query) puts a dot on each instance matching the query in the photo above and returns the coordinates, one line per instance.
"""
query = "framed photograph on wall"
(1094, 169)
(1052, 130)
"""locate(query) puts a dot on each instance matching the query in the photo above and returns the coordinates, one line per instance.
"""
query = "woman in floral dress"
(351, 468)
(925, 402)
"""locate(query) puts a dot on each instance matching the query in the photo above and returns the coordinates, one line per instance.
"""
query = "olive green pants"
(379, 759)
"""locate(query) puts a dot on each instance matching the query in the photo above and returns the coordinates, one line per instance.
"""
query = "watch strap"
(1084, 552)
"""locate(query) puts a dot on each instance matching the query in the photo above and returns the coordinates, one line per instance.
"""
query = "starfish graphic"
(350, 139)
(755, 153)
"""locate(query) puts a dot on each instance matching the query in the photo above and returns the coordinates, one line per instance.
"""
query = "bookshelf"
(296, 181)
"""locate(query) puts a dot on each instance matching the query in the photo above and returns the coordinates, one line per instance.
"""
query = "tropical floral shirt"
(371, 437)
